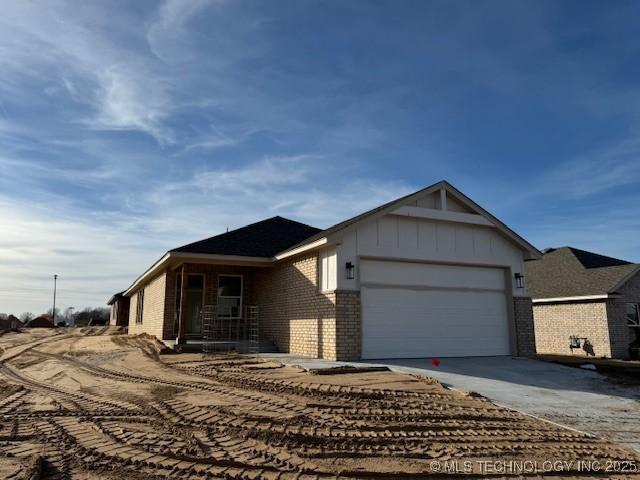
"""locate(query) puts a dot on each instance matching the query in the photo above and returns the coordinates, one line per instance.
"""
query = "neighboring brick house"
(429, 274)
(10, 322)
(43, 321)
(585, 304)
(119, 310)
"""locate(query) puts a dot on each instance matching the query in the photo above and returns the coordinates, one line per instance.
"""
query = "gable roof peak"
(595, 260)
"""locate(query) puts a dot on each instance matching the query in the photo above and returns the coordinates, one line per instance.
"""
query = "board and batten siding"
(327, 272)
(396, 237)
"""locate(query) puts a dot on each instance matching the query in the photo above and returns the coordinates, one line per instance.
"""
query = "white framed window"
(139, 306)
(633, 314)
(230, 296)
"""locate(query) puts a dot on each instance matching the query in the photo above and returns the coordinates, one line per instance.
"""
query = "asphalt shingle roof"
(261, 239)
(570, 272)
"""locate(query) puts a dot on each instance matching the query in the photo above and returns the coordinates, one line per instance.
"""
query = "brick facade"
(294, 314)
(524, 327)
(556, 322)
(153, 312)
(602, 322)
(348, 326)
(619, 331)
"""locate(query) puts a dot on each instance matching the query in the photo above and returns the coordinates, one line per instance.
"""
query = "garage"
(412, 310)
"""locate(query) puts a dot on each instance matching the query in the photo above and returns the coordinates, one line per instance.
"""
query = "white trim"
(301, 249)
(218, 258)
(151, 270)
(433, 214)
(443, 199)
(571, 299)
(199, 258)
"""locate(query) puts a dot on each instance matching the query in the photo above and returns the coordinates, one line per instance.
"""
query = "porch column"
(182, 318)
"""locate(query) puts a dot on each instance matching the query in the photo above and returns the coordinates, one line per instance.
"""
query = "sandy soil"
(93, 404)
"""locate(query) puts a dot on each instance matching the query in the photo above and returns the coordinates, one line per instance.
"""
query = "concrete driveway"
(578, 398)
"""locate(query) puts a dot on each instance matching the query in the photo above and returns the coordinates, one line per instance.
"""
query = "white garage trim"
(430, 288)
(434, 310)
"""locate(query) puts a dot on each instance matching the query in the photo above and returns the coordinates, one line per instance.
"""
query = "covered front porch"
(214, 304)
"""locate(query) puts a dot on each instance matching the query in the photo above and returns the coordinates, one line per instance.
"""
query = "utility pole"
(53, 312)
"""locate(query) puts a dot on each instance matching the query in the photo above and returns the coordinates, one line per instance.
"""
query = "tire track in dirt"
(260, 426)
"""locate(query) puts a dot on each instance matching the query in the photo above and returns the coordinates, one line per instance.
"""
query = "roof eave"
(301, 249)
(183, 257)
(533, 252)
(577, 298)
(625, 279)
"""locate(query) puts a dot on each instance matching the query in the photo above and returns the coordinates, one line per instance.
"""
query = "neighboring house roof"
(569, 272)
(115, 297)
(260, 239)
(41, 321)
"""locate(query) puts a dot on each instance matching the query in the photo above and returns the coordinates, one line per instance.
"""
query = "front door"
(195, 291)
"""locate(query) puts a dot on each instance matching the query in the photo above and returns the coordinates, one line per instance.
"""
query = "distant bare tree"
(67, 315)
(92, 316)
(26, 316)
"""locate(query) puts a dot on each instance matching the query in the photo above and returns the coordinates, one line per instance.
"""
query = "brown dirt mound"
(126, 411)
(149, 344)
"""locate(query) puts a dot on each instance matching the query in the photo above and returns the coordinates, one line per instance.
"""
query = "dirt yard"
(92, 404)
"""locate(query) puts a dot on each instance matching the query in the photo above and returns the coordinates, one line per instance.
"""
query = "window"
(140, 306)
(230, 296)
(633, 314)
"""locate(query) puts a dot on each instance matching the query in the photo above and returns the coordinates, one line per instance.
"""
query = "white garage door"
(412, 310)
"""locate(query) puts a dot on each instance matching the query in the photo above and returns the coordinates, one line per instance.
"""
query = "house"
(429, 274)
(43, 321)
(9, 322)
(119, 310)
(14, 322)
(585, 303)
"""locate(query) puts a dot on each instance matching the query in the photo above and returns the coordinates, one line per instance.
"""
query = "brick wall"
(153, 309)
(619, 332)
(294, 314)
(555, 323)
(348, 326)
(524, 328)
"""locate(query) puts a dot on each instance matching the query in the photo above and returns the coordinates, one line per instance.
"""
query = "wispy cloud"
(167, 35)
(617, 166)
(130, 128)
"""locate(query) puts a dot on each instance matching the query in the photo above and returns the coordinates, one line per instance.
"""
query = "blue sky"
(128, 128)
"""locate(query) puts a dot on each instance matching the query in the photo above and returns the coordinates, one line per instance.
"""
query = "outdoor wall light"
(574, 342)
(519, 280)
(351, 270)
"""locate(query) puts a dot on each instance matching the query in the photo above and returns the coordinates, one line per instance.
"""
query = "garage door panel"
(408, 274)
(429, 321)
